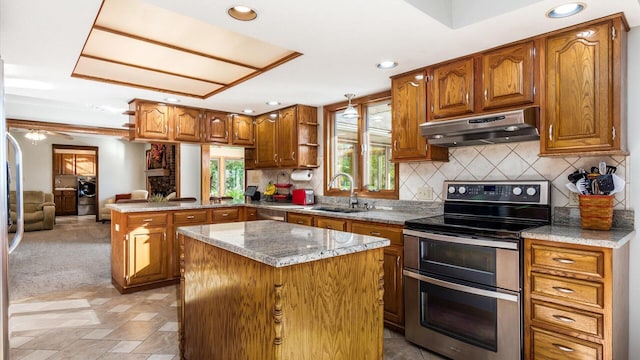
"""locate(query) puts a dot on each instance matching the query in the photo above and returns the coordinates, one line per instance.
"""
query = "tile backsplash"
(513, 161)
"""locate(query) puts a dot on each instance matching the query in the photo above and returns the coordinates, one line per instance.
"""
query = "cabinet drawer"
(589, 263)
(577, 291)
(231, 214)
(385, 231)
(190, 217)
(300, 219)
(146, 219)
(333, 224)
(549, 345)
(251, 213)
(582, 321)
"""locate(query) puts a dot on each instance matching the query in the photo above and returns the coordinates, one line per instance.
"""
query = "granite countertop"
(280, 244)
(168, 206)
(614, 238)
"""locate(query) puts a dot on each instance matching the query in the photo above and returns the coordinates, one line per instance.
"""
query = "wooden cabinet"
(146, 249)
(584, 90)
(266, 141)
(250, 213)
(452, 88)
(85, 164)
(65, 201)
(232, 214)
(250, 160)
(74, 164)
(409, 110)
(287, 138)
(300, 219)
(333, 223)
(393, 264)
(575, 301)
(217, 126)
(242, 130)
(186, 124)
(151, 120)
(184, 218)
(508, 76)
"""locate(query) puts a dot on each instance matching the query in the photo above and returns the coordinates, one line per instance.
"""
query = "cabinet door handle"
(293, 155)
(563, 318)
(467, 98)
(563, 348)
(395, 144)
(432, 107)
(551, 132)
(147, 220)
(329, 227)
(374, 233)
(613, 133)
(191, 217)
(564, 261)
(485, 94)
(413, 84)
(300, 222)
(563, 290)
(225, 214)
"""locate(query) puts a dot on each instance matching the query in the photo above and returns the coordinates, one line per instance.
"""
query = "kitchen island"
(274, 290)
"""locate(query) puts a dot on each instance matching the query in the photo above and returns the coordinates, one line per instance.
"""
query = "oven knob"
(531, 191)
(452, 190)
(517, 191)
(462, 189)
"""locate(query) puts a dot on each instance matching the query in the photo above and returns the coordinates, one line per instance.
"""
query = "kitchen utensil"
(572, 187)
(595, 170)
(575, 176)
(583, 186)
(611, 169)
(605, 183)
(602, 167)
(618, 184)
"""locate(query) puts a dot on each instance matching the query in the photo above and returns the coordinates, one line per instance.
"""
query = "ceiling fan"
(35, 135)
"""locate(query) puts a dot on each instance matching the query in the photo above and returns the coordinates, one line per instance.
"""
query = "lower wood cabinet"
(145, 252)
(393, 258)
(576, 301)
(66, 202)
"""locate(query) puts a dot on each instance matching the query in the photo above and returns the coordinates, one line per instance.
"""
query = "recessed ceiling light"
(247, 111)
(387, 64)
(242, 13)
(273, 103)
(172, 100)
(565, 10)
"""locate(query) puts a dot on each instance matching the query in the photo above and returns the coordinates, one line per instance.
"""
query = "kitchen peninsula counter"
(274, 290)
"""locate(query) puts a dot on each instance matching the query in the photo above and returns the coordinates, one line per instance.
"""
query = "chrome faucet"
(353, 198)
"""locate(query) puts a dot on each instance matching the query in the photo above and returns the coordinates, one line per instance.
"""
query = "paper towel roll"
(301, 175)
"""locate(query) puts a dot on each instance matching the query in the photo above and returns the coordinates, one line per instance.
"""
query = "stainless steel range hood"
(510, 126)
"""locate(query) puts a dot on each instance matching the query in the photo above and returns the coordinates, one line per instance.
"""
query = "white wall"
(633, 129)
(190, 170)
(121, 163)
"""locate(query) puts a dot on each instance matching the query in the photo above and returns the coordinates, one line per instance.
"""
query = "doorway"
(74, 173)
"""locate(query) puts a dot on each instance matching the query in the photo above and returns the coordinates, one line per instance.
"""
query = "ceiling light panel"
(109, 46)
(172, 28)
(134, 34)
(111, 72)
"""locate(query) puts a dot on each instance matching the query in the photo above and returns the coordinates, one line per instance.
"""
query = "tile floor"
(98, 323)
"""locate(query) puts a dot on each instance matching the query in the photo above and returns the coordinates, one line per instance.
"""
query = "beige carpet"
(76, 253)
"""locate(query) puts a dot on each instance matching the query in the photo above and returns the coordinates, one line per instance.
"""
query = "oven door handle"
(463, 288)
(463, 240)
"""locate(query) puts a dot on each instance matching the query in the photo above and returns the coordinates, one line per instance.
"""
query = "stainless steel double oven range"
(463, 269)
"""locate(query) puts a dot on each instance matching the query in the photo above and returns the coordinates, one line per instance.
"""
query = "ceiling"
(341, 42)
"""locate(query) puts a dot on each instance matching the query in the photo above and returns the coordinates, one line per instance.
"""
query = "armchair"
(39, 210)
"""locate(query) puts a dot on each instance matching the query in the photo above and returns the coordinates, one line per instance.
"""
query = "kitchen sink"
(337, 209)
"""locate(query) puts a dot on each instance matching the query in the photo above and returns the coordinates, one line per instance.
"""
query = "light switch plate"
(424, 193)
(573, 199)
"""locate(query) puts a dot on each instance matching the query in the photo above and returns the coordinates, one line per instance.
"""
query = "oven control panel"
(530, 192)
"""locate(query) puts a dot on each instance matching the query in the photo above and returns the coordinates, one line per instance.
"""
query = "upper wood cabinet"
(508, 76)
(451, 90)
(409, 110)
(584, 91)
(151, 120)
(287, 138)
(216, 124)
(85, 164)
(242, 128)
(186, 124)
(266, 141)
(74, 164)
